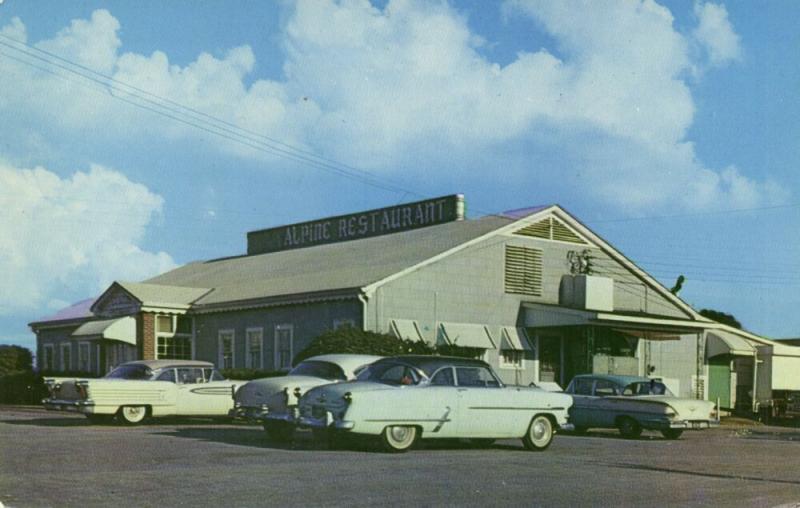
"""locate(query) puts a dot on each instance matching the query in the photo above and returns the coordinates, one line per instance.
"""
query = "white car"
(273, 401)
(137, 390)
(404, 398)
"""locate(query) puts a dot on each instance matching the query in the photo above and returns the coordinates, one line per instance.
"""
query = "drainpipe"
(756, 361)
(363, 298)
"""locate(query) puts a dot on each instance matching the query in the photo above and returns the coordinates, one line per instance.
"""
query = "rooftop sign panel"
(381, 221)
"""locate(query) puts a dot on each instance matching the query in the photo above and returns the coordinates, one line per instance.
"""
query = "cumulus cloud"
(716, 34)
(405, 85)
(80, 233)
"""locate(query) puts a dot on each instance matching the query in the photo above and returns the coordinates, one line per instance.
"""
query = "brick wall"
(146, 335)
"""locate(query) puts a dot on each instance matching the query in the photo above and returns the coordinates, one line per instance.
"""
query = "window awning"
(512, 337)
(721, 342)
(121, 329)
(467, 335)
(405, 329)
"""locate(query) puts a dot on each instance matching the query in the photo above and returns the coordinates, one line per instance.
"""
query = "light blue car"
(632, 404)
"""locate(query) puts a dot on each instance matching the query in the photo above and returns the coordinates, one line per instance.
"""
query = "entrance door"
(550, 358)
(719, 380)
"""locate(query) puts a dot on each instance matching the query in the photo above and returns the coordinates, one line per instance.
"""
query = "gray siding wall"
(308, 321)
(469, 287)
(675, 360)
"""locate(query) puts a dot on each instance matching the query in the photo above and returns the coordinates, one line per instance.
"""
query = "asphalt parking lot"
(54, 459)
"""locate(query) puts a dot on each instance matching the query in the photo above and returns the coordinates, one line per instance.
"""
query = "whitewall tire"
(398, 438)
(539, 435)
(133, 415)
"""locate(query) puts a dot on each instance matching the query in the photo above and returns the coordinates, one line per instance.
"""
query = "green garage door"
(719, 382)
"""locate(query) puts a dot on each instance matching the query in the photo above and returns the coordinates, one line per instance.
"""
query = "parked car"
(137, 390)
(405, 398)
(633, 403)
(273, 401)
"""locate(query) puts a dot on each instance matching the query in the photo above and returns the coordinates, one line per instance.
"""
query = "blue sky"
(669, 128)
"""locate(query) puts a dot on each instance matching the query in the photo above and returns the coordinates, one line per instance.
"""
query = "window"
(581, 386)
(284, 338)
(47, 361)
(341, 323)
(213, 375)
(167, 375)
(226, 358)
(477, 377)
(316, 368)
(603, 388)
(190, 375)
(255, 343)
(83, 357)
(173, 337)
(164, 324)
(66, 357)
(511, 358)
(523, 274)
(444, 377)
(174, 348)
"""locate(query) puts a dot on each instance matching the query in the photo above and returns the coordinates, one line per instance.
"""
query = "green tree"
(721, 317)
(353, 340)
(14, 359)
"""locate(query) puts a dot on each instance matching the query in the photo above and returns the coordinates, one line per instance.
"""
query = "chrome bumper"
(293, 416)
(67, 405)
(328, 422)
(567, 427)
(248, 413)
(694, 424)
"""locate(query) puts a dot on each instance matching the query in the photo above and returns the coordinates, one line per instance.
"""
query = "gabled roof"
(78, 311)
(338, 266)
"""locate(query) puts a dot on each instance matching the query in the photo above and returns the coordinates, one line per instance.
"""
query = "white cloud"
(407, 85)
(716, 34)
(79, 233)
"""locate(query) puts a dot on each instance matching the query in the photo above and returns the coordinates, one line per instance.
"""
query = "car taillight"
(83, 391)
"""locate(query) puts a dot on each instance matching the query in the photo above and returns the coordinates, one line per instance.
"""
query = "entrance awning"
(467, 335)
(721, 342)
(646, 326)
(121, 329)
(514, 338)
(406, 329)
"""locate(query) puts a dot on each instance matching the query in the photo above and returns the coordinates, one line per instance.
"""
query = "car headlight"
(348, 397)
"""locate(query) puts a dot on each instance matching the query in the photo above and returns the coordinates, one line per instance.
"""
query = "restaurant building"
(534, 291)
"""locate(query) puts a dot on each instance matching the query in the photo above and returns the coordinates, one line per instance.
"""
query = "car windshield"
(391, 373)
(130, 372)
(316, 368)
(651, 387)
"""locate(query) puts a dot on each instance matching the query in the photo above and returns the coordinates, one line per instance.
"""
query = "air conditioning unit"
(587, 292)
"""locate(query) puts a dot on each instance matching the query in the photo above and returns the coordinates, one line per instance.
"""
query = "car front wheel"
(398, 438)
(133, 415)
(629, 428)
(539, 435)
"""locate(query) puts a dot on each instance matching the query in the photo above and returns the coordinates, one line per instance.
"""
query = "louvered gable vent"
(550, 229)
(523, 271)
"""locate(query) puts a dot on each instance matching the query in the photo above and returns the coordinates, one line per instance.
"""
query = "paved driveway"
(53, 459)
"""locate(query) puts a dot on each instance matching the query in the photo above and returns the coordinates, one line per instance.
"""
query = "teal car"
(632, 404)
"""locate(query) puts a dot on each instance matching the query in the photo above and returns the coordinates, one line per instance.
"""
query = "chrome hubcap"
(399, 433)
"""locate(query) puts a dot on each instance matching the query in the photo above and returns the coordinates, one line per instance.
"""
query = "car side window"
(603, 388)
(213, 375)
(444, 377)
(582, 386)
(476, 376)
(399, 375)
(167, 375)
(190, 375)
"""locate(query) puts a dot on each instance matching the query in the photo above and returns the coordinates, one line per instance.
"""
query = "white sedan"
(137, 390)
(273, 401)
(404, 398)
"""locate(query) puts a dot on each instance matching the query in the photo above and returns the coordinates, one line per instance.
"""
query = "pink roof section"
(77, 310)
